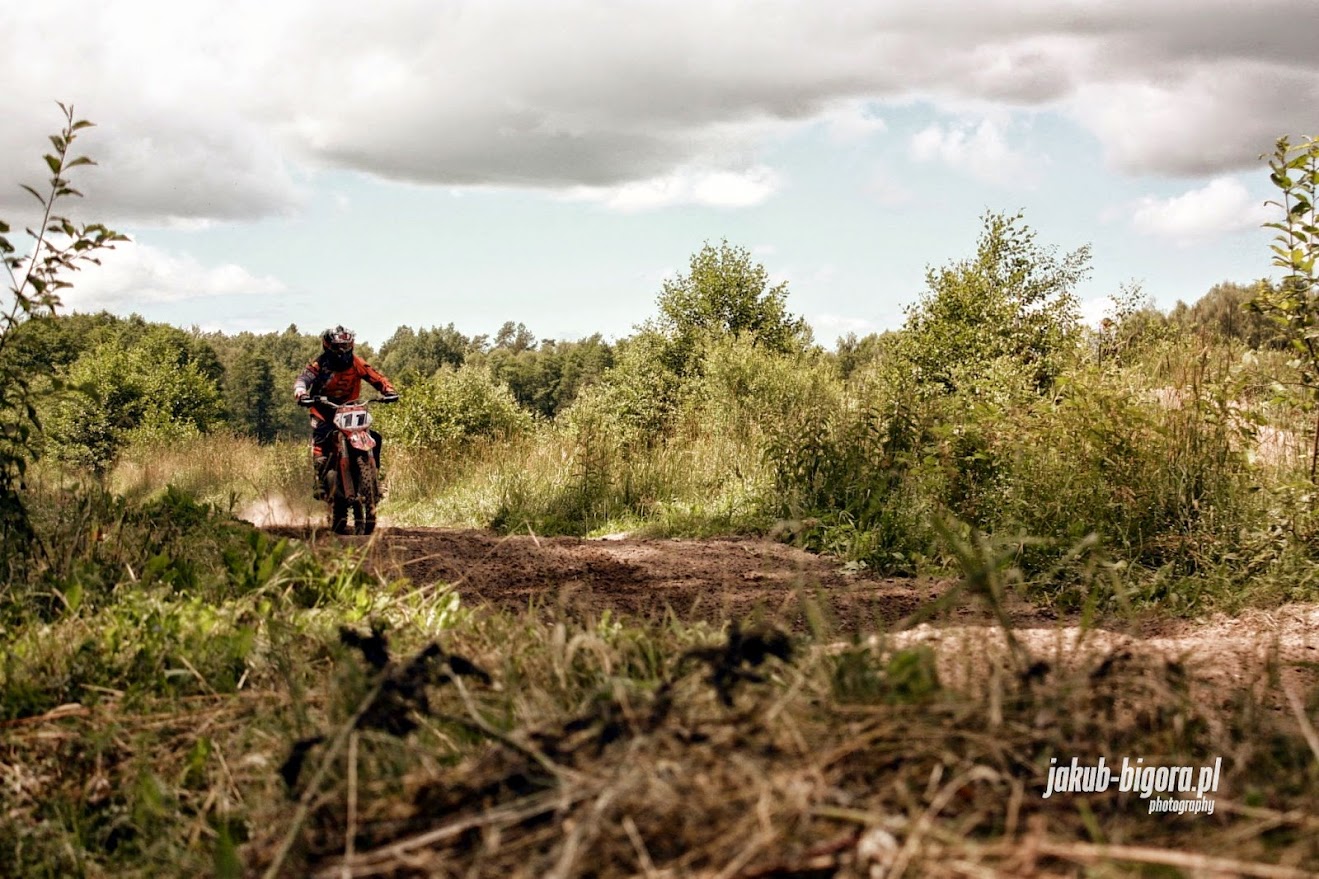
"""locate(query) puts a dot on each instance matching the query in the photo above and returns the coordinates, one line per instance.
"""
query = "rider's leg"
(376, 451)
(320, 440)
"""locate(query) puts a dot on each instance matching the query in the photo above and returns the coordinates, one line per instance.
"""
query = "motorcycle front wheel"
(368, 494)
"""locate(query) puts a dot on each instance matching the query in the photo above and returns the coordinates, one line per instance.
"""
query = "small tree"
(1014, 299)
(59, 247)
(726, 293)
(1294, 303)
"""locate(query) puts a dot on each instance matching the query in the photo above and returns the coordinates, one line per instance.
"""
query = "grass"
(149, 726)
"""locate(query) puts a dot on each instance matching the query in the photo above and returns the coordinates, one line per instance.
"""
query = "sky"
(426, 162)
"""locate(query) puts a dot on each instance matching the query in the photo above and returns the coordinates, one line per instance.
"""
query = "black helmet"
(338, 343)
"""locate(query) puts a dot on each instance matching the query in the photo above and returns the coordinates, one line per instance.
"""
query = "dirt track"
(719, 579)
(745, 578)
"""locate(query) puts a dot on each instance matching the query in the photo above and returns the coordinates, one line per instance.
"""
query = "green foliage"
(411, 354)
(1132, 328)
(724, 297)
(1161, 483)
(1294, 304)
(547, 379)
(253, 396)
(514, 338)
(59, 247)
(849, 463)
(1014, 299)
(748, 390)
(637, 399)
(157, 388)
(1227, 311)
(852, 353)
(263, 413)
(453, 407)
(725, 293)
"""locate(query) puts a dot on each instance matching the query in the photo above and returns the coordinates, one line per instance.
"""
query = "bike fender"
(362, 441)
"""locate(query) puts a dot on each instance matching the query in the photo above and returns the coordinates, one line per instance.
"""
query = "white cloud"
(134, 275)
(1222, 205)
(1093, 311)
(686, 186)
(832, 326)
(1199, 118)
(216, 110)
(887, 189)
(977, 150)
(855, 121)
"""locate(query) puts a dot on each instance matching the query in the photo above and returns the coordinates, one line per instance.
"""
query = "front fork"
(346, 487)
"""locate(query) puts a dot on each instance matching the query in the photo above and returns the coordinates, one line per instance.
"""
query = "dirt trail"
(746, 579)
(716, 579)
(741, 578)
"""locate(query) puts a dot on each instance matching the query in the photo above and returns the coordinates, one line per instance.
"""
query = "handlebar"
(308, 402)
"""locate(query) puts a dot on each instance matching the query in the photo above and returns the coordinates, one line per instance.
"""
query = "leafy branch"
(59, 247)
(42, 271)
(1294, 170)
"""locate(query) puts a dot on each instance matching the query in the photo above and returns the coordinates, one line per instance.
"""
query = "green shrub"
(453, 407)
(154, 389)
(636, 400)
(1014, 299)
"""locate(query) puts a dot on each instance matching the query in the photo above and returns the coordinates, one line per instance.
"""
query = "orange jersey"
(341, 386)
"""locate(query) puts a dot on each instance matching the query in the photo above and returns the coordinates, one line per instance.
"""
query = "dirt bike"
(350, 481)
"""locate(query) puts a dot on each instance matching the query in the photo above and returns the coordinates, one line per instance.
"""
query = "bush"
(454, 407)
(725, 293)
(1013, 299)
(635, 401)
(156, 389)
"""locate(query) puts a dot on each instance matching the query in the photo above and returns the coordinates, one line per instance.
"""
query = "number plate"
(352, 418)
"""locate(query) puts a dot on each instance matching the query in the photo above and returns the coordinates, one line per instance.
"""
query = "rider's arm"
(377, 379)
(305, 380)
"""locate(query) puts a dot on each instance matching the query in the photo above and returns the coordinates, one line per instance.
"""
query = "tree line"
(136, 379)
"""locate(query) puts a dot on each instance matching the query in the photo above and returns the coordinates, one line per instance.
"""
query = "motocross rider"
(336, 375)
